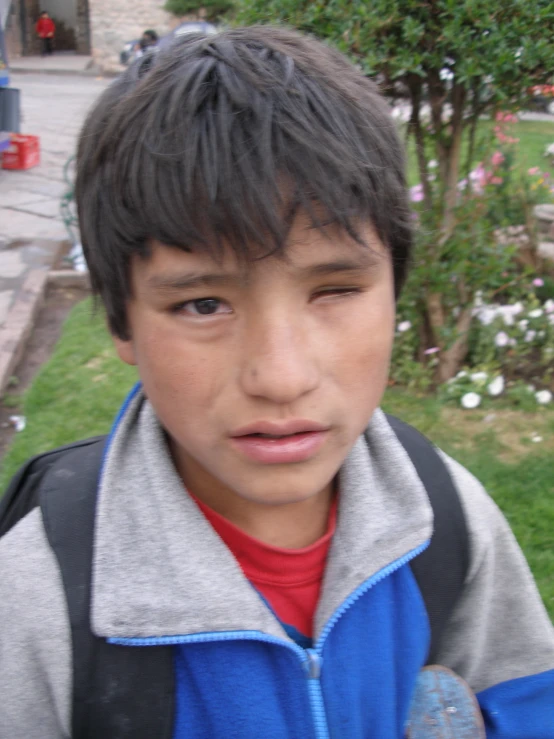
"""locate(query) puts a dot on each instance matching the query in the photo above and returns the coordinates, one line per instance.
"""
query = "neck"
(290, 525)
(287, 525)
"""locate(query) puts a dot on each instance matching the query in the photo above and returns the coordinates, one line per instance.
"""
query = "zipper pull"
(313, 664)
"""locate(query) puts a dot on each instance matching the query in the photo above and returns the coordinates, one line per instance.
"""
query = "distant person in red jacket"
(45, 29)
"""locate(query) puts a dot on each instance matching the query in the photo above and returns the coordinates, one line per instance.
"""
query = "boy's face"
(233, 357)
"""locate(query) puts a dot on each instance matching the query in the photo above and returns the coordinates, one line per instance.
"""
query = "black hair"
(221, 140)
(151, 34)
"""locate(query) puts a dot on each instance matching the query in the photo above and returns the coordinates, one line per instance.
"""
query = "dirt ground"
(57, 304)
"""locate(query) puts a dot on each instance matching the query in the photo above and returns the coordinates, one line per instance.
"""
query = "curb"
(95, 72)
(19, 323)
(69, 278)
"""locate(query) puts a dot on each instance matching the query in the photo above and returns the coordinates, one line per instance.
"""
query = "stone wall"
(13, 31)
(83, 30)
(112, 24)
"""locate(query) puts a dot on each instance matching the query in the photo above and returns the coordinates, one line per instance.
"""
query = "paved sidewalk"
(60, 63)
(53, 107)
(32, 231)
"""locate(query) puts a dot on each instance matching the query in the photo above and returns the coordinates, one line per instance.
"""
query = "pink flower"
(538, 282)
(432, 350)
(416, 193)
(533, 170)
(497, 158)
(496, 180)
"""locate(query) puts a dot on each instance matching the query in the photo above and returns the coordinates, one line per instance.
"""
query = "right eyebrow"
(189, 280)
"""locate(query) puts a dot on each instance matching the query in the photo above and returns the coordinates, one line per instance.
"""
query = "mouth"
(284, 443)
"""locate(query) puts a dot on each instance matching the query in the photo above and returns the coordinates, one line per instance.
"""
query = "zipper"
(313, 667)
(364, 587)
(311, 659)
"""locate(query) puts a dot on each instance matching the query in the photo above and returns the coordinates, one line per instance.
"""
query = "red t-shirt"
(289, 579)
(45, 27)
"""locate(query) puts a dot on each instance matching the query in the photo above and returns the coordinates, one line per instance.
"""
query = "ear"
(125, 350)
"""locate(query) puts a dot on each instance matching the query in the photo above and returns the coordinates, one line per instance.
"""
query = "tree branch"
(414, 85)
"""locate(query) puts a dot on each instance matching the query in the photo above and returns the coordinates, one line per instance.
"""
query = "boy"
(45, 29)
(244, 217)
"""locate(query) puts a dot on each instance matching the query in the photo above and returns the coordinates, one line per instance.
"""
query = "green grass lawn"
(78, 392)
(534, 136)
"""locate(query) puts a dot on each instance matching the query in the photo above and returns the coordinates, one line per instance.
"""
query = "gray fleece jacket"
(160, 570)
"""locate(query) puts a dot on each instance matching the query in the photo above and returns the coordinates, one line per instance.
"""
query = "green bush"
(212, 9)
(455, 62)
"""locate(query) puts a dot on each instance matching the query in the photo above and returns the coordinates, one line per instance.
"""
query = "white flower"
(496, 386)
(404, 326)
(478, 376)
(537, 313)
(536, 438)
(531, 388)
(486, 314)
(501, 339)
(470, 400)
(523, 324)
(462, 373)
(543, 397)
(549, 306)
(508, 317)
(433, 164)
(516, 308)
(530, 335)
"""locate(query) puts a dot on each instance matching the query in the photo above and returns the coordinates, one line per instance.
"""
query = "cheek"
(176, 373)
(365, 353)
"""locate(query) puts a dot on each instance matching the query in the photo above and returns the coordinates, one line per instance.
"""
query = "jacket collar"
(159, 569)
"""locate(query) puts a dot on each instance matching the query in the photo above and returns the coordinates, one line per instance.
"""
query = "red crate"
(22, 153)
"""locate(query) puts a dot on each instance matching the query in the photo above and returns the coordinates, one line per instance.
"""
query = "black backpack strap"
(441, 569)
(118, 692)
(22, 493)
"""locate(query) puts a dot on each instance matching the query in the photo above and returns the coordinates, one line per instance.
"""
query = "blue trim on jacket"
(357, 682)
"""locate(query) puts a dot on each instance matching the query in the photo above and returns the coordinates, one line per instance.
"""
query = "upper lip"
(279, 428)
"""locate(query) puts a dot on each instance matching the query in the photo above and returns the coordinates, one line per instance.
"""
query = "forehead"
(308, 250)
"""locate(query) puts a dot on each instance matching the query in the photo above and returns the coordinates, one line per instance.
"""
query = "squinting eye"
(334, 292)
(204, 307)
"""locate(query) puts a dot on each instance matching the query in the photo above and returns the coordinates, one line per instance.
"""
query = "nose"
(279, 363)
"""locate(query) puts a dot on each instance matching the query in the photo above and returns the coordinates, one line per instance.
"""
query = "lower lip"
(287, 450)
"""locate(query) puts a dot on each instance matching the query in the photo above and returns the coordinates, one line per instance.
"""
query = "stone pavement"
(60, 63)
(53, 107)
(32, 232)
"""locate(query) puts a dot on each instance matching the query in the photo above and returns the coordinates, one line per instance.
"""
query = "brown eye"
(202, 307)
(206, 306)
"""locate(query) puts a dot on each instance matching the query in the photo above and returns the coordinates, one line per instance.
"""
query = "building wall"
(61, 10)
(14, 46)
(112, 24)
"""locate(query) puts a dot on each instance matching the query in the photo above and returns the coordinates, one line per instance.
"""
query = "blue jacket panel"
(520, 708)
(357, 681)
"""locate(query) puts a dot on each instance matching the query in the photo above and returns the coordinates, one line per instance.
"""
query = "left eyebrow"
(370, 262)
